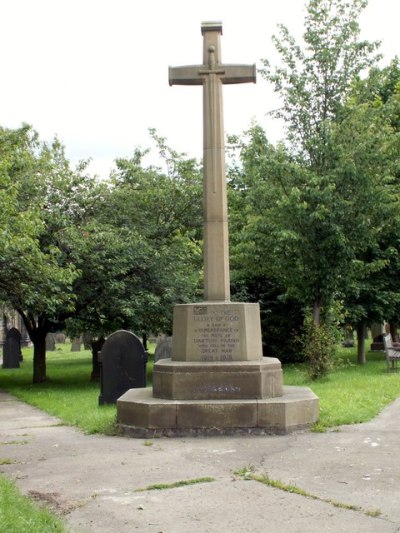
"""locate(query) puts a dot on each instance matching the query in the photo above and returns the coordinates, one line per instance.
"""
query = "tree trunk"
(39, 356)
(393, 332)
(317, 312)
(96, 348)
(361, 330)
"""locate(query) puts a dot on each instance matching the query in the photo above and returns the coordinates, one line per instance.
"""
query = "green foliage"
(91, 255)
(313, 80)
(319, 348)
(320, 214)
(371, 118)
(281, 317)
(18, 513)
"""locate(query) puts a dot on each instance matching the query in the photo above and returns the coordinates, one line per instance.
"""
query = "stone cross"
(211, 75)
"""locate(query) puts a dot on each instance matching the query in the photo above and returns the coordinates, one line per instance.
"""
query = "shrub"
(319, 345)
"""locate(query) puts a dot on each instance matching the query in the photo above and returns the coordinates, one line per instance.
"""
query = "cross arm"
(186, 75)
(238, 74)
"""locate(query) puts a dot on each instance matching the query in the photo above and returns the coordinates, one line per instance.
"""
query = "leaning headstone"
(123, 366)
(76, 344)
(50, 342)
(12, 349)
(163, 349)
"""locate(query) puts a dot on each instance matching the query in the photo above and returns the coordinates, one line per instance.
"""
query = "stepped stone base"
(233, 380)
(142, 415)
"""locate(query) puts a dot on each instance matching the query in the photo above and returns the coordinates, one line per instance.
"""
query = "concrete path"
(92, 480)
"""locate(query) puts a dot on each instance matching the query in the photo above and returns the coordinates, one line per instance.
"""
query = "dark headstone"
(377, 343)
(76, 344)
(123, 366)
(50, 342)
(163, 349)
(12, 349)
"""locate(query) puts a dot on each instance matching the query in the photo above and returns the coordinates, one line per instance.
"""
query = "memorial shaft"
(211, 75)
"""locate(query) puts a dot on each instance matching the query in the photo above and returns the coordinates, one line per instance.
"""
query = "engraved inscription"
(216, 332)
(216, 389)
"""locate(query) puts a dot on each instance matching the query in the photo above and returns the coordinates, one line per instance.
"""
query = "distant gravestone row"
(123, 366)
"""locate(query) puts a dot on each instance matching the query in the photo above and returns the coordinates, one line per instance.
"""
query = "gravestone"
(163, 349)
(50, 342)
(377, 332)
(60, 338)
(76, 344)
(12, 349)
(87, 338)
(123, 366)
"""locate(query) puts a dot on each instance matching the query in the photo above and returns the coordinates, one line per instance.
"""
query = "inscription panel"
(208, 332)
(216, 332)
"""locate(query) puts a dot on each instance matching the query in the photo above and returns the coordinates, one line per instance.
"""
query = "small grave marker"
(76, 344)
(50, 342)
(163, 349)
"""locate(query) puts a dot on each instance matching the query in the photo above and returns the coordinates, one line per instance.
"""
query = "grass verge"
(353, 393)
(184, 483)
(18, 513)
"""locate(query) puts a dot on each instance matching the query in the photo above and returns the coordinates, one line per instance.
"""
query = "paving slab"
(92, 480)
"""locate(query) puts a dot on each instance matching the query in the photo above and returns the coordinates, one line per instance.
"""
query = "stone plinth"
(217, 331)
(176, 380)
(140, 414)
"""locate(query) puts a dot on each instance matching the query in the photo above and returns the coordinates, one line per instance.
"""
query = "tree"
(374, 295)
(47, 196)
(314, 82)
(141, 253)
(312, 221)
(97, 255)
(166, 206)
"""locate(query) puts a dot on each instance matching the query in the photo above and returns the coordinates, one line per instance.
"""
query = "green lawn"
(351, 394)
(19, 514)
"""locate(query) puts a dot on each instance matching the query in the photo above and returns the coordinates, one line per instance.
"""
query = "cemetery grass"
(18, 513)
(351, 394)
(68, 394)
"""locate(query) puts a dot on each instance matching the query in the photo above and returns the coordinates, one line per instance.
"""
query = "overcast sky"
(95, 72)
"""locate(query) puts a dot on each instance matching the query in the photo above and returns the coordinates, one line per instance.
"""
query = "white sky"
(95, 72)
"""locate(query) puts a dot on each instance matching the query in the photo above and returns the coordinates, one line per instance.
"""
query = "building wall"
(11, 319)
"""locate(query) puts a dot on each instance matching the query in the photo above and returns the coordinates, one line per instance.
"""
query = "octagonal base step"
(141, 415)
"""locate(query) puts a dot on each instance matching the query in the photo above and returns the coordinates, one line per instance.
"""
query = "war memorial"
(217, 380)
